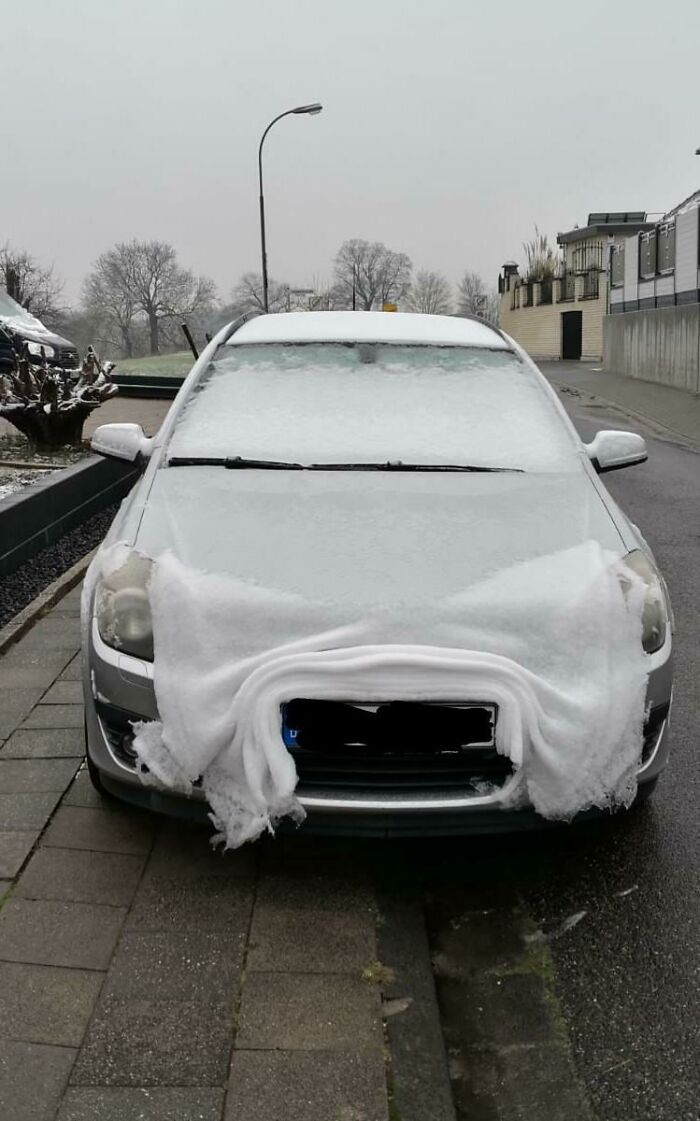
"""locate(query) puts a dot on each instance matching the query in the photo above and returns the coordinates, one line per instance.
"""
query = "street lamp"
(311, 110)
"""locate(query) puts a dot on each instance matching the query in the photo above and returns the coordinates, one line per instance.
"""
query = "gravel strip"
(21, 587)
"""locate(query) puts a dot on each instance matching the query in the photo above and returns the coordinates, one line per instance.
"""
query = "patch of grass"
(158, 365)
(377, 974)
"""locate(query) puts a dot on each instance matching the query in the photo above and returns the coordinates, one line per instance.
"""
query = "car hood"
(374, 538)
(33, 330)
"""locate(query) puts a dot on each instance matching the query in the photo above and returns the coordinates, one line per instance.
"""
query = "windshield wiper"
(398, 465)
(232, 463)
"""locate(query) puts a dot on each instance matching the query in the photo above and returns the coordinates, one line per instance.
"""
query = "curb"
(47, 599)
(418, 1075)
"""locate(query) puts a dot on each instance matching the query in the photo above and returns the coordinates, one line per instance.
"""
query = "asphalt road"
(616, 904)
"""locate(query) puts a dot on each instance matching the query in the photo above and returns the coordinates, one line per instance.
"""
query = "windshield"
(335, 403)
(12, 310)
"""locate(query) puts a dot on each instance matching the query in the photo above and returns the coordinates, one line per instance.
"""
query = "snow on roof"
(369, 326)
(683, 207)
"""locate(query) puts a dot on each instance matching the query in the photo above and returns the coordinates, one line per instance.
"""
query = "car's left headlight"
(655, 611)
(122, 608)
(36, 348)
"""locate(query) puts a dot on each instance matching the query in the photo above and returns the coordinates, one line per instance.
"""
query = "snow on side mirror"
(609, 450)
(121, 441)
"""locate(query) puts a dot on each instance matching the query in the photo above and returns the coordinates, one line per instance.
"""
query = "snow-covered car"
(371, 576)
(20, 330)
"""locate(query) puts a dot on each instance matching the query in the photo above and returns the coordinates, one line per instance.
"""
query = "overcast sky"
(449, 128)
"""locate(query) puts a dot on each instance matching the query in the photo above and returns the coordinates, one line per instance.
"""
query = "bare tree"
(473, 298)
(471, 295)
(109, 299)
(248, 294)
(30, 284)
(368, 275)
(430, 293)
(145, 280)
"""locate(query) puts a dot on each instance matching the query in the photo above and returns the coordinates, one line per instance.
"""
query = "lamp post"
(311, 110)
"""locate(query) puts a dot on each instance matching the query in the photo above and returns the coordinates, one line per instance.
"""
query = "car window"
(372, 403)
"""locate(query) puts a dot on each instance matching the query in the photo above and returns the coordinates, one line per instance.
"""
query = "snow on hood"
(367, 537)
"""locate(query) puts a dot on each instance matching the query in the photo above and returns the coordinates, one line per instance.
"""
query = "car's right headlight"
(655, 612)
(122, 608)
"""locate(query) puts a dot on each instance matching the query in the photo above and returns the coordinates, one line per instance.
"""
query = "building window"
(567, 290)
(647, 255)
(590, 285)
(617, 265)
(666, 247)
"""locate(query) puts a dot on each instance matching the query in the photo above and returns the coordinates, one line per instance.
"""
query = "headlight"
(655, 609)
(122, 608)
(36, 348)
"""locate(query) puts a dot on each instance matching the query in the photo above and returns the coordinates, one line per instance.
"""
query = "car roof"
(369, 326)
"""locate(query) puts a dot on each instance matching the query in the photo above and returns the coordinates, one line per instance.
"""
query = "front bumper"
(120, 687)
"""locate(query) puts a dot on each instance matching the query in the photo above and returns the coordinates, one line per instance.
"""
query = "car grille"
(370, 765)
(68, 358)
(393, 746)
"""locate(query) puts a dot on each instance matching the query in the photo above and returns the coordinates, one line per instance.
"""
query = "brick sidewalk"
(146, 976)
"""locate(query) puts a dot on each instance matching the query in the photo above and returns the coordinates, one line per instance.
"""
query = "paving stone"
(32, 1078)
(155, 1043)
(503, 1011)
(82, 793)
(100, 830)
(54, 632)
(308, 1012)
(343, 940)
(23, 668)
(210, 903)
(54, 743)
(73, 671)
(26, 811)
(46, 932)
(540, 1082)
(81, 877)
(15, 706)
(122, 1103)
(14, 850)
(41, 1004)
(306, 1086)
(55, 716)
(35, 776)
(477, 940)
(184, 851)
(64, 693)
(197, 966)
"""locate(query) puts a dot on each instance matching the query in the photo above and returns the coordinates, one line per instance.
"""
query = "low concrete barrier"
(660, 344)
(143, 385)
(39, 515)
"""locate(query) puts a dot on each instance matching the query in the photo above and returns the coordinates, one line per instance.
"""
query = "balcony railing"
(590, 285)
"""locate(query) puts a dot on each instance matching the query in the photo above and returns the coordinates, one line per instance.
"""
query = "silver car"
(380, 768)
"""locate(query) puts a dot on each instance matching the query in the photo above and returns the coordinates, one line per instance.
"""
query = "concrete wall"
(661, 344)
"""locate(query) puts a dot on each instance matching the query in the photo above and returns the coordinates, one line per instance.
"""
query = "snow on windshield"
(373, 402)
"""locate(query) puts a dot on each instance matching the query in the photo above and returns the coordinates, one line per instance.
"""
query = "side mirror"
(609, 451)
(121, 441)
